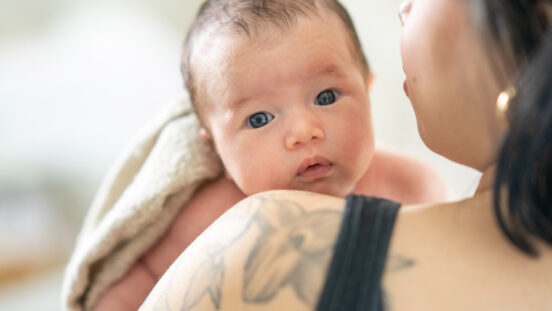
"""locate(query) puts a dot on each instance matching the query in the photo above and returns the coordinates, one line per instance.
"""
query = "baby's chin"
(328, 189)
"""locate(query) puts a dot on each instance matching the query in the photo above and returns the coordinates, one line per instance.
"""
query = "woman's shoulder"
(272, 251)
(269, 252)
(454, 256)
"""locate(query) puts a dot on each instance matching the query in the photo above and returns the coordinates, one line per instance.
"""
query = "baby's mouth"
(314, 168)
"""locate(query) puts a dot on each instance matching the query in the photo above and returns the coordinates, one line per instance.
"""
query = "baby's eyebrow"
(327, 70)
(237, 104)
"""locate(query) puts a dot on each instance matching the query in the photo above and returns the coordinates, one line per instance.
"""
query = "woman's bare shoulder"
(453, 256)
(269, 252)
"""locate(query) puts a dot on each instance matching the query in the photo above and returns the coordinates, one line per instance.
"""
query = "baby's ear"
(204, 134)
(369, 82)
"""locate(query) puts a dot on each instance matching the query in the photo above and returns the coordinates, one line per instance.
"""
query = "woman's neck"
(487, 180)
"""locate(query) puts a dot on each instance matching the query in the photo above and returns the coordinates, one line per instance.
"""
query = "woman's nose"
(404, 10)
(303, 131)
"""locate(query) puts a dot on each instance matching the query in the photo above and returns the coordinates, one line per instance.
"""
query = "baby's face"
(288, 110)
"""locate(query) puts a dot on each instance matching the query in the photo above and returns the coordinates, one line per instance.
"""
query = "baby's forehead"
(237, 57)
(258, 29)
(221, 55)
(227, 45)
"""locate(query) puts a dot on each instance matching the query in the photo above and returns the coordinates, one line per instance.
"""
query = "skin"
(237, 88)
(313, 58)
(211, 201)
(453, 254)
(448, 78)
(442, 257)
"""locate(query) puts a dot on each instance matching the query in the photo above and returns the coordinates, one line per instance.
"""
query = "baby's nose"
(303, 132)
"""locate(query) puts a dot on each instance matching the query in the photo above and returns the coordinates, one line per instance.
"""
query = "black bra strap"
(354, 277)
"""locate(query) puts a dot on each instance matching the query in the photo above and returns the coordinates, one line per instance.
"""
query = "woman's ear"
(369, 82)
(204, 134)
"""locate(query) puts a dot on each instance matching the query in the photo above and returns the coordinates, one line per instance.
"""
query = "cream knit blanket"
(140, 196)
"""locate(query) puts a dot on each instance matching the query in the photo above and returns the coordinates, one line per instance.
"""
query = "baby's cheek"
(257, 175)
(360, 147)
(360, 135)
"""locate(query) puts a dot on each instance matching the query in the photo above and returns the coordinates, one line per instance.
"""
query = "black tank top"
(354, 277)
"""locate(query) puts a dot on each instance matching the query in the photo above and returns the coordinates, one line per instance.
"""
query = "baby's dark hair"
(250, 17)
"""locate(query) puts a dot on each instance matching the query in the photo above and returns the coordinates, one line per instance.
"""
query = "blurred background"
(79, 78)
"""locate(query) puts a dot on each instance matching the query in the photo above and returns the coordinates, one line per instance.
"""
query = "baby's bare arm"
(206, 205)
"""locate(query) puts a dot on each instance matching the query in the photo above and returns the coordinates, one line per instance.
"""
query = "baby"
(281, 89)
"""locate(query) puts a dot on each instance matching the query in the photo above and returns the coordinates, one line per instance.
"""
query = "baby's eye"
(259, 119)
(327, 97)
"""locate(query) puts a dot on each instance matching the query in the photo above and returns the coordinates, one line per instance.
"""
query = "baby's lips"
(311, 162)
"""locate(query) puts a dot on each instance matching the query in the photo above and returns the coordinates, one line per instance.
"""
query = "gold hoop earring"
(503, 104)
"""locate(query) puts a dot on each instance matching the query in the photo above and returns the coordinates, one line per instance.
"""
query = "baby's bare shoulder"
(403, 178)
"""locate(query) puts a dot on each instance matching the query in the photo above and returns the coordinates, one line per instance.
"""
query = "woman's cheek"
(408, 54)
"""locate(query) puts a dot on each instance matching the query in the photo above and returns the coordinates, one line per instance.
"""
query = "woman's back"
(442, 257)
(461, 260)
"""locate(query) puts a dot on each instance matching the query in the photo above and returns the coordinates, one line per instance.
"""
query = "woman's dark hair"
(513, 30)
(523, 184)
(517, 34)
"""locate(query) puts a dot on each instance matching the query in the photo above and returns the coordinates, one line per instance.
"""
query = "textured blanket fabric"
(137, 201)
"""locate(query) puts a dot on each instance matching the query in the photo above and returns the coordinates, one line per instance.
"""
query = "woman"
(300, 251)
